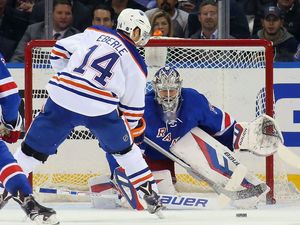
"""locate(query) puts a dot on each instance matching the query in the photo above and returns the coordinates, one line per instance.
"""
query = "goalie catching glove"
(262, 136)
(10, 132)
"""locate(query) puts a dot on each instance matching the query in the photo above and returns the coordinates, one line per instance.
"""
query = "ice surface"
(84, 214)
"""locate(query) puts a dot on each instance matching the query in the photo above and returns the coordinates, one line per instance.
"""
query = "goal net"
(235, 75)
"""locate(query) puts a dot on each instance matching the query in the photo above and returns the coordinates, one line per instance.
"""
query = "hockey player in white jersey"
(100, 84)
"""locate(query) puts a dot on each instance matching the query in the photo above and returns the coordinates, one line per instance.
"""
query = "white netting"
(284, 189)
(231, 76)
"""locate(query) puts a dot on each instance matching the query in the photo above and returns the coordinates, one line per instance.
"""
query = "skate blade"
(160, 215)
(52, 220)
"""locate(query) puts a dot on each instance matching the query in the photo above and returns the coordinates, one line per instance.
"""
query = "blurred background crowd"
(274, 20)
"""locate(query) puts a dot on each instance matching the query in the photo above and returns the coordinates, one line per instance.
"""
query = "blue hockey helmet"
(167, 87)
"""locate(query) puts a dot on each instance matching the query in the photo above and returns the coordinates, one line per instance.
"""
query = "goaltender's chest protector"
(195, 111)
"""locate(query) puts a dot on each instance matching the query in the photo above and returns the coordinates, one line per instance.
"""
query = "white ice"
(84, 214)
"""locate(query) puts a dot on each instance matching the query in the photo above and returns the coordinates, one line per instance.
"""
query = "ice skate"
(37, 212)
(4, 198)
(154, 205)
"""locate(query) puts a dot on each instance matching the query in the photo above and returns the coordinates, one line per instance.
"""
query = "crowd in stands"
(274, 20)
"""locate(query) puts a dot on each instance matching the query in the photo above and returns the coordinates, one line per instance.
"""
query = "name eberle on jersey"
(111, 41)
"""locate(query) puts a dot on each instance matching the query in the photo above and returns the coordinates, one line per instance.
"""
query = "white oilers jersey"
(97, 72)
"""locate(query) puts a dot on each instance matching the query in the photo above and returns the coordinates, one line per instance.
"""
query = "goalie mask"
(167, 87)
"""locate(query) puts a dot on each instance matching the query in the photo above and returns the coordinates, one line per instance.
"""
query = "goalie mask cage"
(235, 75)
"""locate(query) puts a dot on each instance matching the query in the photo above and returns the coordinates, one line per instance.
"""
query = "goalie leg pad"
(164, 182)
(127, 189)
(206, 155)
(106, 195)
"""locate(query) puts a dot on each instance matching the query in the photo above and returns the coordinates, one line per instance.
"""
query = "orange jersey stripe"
(84, 87)
(59, 54)
(142, 179)
(132, 114)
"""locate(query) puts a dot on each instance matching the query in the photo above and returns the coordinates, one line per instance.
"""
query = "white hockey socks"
(27, 163)
(136, 168)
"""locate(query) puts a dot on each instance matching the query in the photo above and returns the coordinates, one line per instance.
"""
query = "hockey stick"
(169, 201)
(233, 195)
(288, 156)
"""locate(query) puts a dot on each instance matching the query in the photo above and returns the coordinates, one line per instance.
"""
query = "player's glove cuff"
(10, 132)
(138, 132)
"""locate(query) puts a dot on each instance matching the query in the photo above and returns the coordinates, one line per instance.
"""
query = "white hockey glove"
(261, 136)
(10, 133)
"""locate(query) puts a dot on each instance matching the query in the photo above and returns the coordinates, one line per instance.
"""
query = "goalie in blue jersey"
(172, 113)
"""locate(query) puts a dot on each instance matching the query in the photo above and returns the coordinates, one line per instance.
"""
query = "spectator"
(251, 8)
(81, 20)
(179, 17)
(208, 18)
(190, 6)
(7, 44)
(104, 15)
(119, 5)
(16, 18)
(284, 43)
(161, 23)
(239, 27)
(62, 20)
(291, 12)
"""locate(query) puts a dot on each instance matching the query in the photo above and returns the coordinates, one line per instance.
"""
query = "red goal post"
(206, 58)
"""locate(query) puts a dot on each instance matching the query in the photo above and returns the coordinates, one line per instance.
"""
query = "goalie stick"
(288, 156)
(169, 201)
(233, 195)
(272, 141)
(271, 128)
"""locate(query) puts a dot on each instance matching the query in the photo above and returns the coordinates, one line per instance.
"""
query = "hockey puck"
(241, 215)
